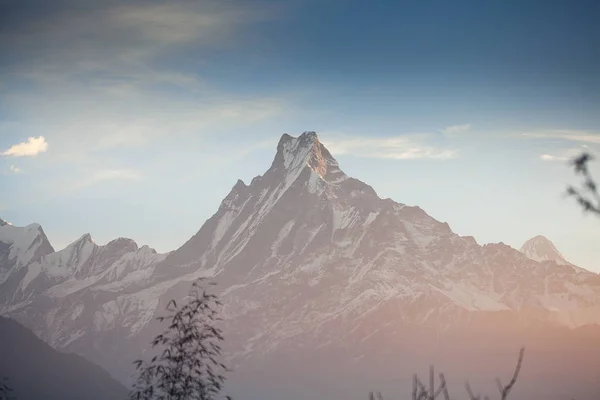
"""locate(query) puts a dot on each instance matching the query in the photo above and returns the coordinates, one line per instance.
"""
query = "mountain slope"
(36, 371)
(306, 258)
(540, 249)
(50, 291)
(20, 246)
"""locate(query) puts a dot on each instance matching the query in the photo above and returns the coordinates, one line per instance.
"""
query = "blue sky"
(150, 111)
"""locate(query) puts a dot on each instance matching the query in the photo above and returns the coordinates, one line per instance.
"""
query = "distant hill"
(36, 371)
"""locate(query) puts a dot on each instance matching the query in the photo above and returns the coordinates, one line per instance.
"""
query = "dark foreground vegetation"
(187, 366)
(431, 392)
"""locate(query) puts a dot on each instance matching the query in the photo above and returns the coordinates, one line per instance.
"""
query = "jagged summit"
(294, 154)
(3, 222)
(83, 241)
(540, 248)
(122, 243)
(23, 244)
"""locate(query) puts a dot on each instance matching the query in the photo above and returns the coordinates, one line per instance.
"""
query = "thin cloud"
(183, 22)
(566, 135)
(105, 175)
(550, 157)
(14, 169)
(456, 129)
(32, 147)
(121, 174)
(398, 148)
(133, 120)
(122, 40)
(97, 69)
(565, 155)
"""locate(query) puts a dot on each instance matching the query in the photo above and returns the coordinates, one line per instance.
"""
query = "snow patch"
(283, 233)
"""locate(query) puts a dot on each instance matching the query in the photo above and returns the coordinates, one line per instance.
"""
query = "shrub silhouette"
(188, 366)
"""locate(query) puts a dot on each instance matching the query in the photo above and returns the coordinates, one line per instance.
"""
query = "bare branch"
(431, 383)
(470, 392)
(444, 387)
(415, 387)
(504, 391)
(420, 392)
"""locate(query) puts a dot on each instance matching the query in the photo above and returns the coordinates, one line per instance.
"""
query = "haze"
(373, 186)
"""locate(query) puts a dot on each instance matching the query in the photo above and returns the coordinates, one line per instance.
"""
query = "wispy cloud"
(565, 155)
(456, 129)
(14, 169)
(121, 174)
(125, 38)
(407, 147)
(105, 175)
(32, 147)
(175, 22)
(100, 69)
(550, 157)
(132, 120)
(566, 135)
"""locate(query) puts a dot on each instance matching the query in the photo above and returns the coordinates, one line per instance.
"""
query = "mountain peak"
(540, 238)
(296, 153)
(25, 244)
(540, 248)
(82, 241)
(306, 136)
(291, 151)
(121, 243)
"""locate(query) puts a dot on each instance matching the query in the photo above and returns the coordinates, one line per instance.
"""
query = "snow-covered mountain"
(305, 257)
(540, 248)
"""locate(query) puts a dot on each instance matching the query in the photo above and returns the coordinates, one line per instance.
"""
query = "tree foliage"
(188, 366)
(586, 195)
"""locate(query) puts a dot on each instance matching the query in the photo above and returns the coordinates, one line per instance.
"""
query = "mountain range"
(319, 276)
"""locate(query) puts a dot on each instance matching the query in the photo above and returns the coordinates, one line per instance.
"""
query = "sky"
(135, 119)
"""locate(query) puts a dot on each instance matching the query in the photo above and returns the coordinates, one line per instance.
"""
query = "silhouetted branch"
(444, 387)
(420, 392)
(504, 390)
(470, 392)
(6, 393)
(587, 196)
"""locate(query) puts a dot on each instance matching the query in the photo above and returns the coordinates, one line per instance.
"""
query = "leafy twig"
(587, 196)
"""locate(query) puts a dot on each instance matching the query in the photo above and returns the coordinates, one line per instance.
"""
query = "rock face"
(305, 258)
